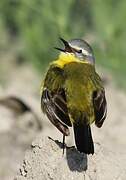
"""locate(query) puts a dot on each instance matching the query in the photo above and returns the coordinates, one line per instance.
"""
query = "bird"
(72, 94)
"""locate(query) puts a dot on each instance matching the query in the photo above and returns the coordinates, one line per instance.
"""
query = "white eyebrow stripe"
(86, 52)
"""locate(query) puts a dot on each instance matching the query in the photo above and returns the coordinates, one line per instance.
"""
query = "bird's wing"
(100, 107)
(53, 100)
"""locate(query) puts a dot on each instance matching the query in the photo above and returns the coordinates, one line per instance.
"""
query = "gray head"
(80, 48)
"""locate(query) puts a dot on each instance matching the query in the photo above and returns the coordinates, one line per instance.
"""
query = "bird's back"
(81, 82)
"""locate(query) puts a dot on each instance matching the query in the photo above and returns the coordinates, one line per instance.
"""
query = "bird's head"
(79, 48)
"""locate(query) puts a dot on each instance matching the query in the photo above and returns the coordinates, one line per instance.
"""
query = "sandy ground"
(17, 131)
(45, 161)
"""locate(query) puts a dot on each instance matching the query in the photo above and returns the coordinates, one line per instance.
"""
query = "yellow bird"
(73, 95)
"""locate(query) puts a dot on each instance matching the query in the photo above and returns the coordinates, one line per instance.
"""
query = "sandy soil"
(45, 161)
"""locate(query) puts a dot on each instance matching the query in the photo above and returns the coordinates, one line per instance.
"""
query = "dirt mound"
(46, 161)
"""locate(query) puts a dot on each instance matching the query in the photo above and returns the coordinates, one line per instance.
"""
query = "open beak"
(67, 46)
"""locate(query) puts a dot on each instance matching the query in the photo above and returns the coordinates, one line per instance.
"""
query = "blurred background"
(29, 30)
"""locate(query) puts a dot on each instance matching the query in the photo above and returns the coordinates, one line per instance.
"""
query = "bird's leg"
(63, 143)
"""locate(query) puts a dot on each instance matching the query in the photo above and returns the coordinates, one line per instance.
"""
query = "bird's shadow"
(76, 161)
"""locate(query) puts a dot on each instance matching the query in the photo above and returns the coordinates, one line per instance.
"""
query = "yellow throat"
(66, 58)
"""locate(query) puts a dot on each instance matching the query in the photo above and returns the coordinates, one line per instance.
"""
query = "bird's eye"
(79, 51)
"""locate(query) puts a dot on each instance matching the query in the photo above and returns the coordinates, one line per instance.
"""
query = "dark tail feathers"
(83, 138)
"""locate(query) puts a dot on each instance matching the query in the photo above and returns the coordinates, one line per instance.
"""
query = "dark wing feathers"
(53, 100)
(100, 107)
(61, 110)
(56, 110)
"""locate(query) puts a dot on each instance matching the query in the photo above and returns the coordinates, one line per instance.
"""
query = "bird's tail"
(83, 138)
